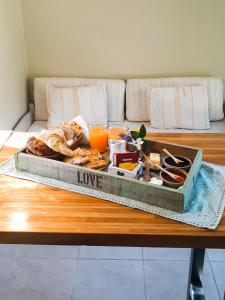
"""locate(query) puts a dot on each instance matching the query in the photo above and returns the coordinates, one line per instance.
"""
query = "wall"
(13, 67)
(125, 38)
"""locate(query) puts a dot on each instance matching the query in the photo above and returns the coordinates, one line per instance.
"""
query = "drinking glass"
(98, 136)
(115, 129)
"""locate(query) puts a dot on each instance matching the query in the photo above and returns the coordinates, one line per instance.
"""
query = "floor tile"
(7, 250)
(216, 254)
(168, 280)
(40, 279)
(209, 284)
(109, 280)
(219, 273)
(110, 252)
(166, 253)
(44, 251)
(6, 265)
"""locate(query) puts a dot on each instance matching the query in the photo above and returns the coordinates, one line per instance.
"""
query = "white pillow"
(115, 92)
(136, 105)
(66, 103)
(178, 107)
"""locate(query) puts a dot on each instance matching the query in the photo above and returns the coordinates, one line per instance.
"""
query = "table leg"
(195, 289)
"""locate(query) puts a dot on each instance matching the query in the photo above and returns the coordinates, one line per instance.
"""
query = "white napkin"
(80, 121)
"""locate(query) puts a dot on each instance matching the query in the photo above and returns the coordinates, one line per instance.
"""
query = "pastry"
(57, 139)
(95, 163)
(39, 148)
(78, 160)
(56, 142)
(91, 159)
(87, 152)
(71, 129)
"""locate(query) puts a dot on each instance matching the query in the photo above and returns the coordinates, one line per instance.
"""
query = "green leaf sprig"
(139, 135)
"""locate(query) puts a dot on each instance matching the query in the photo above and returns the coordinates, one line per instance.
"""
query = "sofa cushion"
(115, 90)
(178, 107)
(136, 95)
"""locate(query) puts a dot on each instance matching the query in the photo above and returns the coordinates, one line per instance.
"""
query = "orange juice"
(114, 133)
(99, 138)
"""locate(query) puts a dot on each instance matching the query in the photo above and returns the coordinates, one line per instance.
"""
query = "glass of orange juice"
(98, 136)
(115, 129)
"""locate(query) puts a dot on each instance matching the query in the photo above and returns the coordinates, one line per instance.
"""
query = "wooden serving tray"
(161, 196)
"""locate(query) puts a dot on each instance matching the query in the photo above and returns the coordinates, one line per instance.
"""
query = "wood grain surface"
(36, 214)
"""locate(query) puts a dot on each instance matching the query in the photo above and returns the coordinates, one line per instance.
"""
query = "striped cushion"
(178, 107)
(136, 105)
(115, 92)
(66, 103)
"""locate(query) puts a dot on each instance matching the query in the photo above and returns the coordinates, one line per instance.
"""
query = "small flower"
(137, 129)
(125, 137)
(137, 143)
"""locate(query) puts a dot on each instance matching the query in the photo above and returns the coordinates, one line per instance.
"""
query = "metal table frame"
(195, 289)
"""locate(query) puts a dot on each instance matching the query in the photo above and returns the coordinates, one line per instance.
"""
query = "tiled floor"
(108, 273)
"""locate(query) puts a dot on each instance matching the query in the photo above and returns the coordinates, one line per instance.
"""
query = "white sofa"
(124, 99)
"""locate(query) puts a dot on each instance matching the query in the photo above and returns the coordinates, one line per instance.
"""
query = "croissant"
(57, 138)
(56, 143)
(39, 148)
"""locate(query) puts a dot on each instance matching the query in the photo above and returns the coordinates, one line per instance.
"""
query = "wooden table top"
(36, 214)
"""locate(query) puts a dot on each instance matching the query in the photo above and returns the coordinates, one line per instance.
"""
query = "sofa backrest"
(115, 90)
(136, 102)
